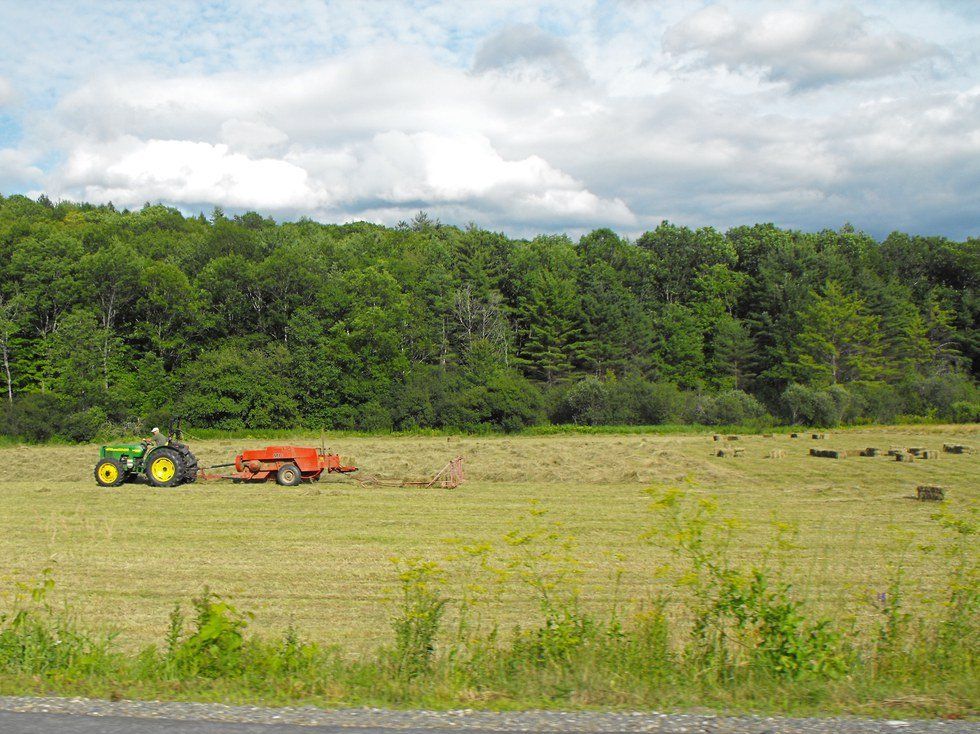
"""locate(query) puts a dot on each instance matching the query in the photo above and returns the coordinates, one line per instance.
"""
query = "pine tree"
(732, 354)
(838, 341)
(941, 333)
(554, 339)
(904, 334)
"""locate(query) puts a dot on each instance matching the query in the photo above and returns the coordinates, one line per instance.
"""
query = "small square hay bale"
(777, 454)
(828, 453)
(956, 448)
(905, 457)
(794, 435)
(716, 437)
(870, 451)
(927, 492)
(767, 435)
(819, 436)
(916, 450)
(729, 453)
(896, 452)
(733, 438)
(929, 454)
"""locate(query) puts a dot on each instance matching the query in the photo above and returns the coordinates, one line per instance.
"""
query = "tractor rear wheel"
(289, 475)
(109, 473)
(164, 469)
(189, 462)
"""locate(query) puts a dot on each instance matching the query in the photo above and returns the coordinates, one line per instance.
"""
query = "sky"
(518, 116)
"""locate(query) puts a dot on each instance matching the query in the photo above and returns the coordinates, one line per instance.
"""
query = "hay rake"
(449, 477)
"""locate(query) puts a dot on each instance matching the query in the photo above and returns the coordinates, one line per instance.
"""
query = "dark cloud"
(527, 49)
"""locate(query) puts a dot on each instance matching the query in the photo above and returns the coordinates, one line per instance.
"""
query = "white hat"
(155, 430)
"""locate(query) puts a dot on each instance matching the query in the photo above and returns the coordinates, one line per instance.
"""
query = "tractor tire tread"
(189, 462)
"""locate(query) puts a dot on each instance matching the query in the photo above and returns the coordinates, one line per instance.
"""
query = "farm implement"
(449, 477)
(289, 465)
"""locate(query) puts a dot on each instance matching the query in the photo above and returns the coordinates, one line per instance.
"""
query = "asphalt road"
(25, 715)
(43, 723)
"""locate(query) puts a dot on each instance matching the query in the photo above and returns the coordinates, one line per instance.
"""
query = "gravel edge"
(471, 720)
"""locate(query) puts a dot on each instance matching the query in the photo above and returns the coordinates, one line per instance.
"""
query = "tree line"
(110, 319)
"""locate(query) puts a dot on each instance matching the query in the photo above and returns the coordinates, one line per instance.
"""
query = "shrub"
(731, 407)
(965, 412)
(417, 399)
(372, 416)
(33, 417)
(877, 402)
(635, 401)
(587, 402)
(937, 394)
(511, 402)
(811, 406)
(504, 400)
(84, 425)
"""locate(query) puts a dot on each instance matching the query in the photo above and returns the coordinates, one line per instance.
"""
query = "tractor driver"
(158, 438)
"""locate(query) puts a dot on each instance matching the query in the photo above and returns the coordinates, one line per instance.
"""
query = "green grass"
(318, 559)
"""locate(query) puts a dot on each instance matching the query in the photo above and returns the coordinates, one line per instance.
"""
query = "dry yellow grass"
(318, 555)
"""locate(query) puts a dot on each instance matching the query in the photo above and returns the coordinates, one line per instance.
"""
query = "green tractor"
(162, 466)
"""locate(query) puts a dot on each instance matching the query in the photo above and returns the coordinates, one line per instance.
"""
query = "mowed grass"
(319, 556)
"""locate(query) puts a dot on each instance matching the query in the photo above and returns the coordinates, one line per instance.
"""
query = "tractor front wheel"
(164, 468)
(109, 473)
(288, 475)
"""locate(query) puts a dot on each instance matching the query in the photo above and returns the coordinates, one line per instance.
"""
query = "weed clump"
(417, 621)
(37, 640)
(214, 647)
(741, 618)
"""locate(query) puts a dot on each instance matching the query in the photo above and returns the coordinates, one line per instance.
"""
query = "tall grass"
(727, 636)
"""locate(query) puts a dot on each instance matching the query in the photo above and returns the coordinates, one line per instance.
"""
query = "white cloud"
(6, 92)
(394, 168)
(520, 116)
(805, 48)
(384, 127)
(252, 137)
(130, 171)
(18, 171)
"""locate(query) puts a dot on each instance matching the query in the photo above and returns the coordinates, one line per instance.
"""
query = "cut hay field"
(319, 556)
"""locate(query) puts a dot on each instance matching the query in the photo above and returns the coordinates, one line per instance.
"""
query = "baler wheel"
(289, 475)
(109, 473)
(164, 469)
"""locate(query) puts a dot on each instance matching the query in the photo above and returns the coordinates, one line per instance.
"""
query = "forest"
(111, 320)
